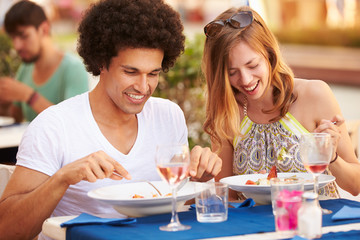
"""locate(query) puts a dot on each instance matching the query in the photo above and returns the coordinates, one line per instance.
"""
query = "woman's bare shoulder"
(315, 97)
(311, 89)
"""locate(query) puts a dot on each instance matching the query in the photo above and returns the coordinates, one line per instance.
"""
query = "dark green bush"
(9, 61)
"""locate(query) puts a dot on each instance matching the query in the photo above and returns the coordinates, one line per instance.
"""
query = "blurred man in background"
(47, 75)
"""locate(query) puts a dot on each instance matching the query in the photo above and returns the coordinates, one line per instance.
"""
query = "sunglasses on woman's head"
(239, 20)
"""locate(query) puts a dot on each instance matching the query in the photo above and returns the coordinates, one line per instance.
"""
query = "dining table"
(251, 222)
(11, 135)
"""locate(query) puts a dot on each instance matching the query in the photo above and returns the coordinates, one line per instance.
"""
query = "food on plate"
(266, 181)
(272, 173)
(137, 196)
(250, 182)
(153, 196)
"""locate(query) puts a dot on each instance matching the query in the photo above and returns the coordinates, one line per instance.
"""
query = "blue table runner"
(354, 234)
(240, 221)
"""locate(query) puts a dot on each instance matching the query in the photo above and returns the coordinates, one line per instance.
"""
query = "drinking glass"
(316, 150)
(212, 202)
(172, 162)
(286, 200)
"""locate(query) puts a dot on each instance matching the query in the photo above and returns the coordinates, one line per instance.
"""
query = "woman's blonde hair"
(222, 112)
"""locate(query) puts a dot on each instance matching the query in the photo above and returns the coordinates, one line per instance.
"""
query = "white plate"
(262, 193)
(6, 121)
(121, 197)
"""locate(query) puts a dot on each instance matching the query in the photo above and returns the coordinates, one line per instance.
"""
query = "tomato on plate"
(249, 182)
(272, 173)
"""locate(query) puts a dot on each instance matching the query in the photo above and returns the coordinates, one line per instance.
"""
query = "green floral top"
(261, 146)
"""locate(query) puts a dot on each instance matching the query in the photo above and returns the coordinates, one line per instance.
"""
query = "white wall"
(348, 98)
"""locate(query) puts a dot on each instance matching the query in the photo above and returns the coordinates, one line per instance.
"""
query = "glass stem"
(174, 215)
(316, 183)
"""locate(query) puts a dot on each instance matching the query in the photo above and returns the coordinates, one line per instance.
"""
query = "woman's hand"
(331, 127)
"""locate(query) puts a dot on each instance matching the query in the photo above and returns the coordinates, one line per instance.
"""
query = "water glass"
(286, 201)
(212, 202)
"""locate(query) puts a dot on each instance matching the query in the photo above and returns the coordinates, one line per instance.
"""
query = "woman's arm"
(320, 109)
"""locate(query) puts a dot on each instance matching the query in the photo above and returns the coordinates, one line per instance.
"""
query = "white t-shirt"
(67, 132)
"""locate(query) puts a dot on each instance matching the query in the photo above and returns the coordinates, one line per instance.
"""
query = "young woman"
(257, 110)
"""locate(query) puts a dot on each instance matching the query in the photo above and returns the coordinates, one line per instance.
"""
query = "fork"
(142, 180)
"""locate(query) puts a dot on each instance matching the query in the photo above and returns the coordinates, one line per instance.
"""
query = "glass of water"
(212, 202)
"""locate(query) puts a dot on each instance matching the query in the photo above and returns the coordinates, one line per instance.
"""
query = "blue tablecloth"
(240, 221)
(355, 234)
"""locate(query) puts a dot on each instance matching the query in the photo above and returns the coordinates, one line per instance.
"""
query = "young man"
(77, 145)
(47, 75)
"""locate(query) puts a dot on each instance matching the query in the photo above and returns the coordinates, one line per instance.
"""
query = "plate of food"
(6, 121)
(257, 186)
(141, 199)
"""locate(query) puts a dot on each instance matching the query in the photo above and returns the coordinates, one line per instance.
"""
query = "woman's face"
(248, 71)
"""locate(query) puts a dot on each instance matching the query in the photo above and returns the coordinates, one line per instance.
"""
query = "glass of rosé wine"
(172, 162)
(316, 150)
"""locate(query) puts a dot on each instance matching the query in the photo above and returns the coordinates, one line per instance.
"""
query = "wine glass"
(316, 150)
(172, 162)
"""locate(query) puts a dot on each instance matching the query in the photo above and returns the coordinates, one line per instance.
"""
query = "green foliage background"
(184, 85)
(9, 61)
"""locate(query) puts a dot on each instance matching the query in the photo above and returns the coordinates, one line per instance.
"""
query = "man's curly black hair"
(112, 25)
